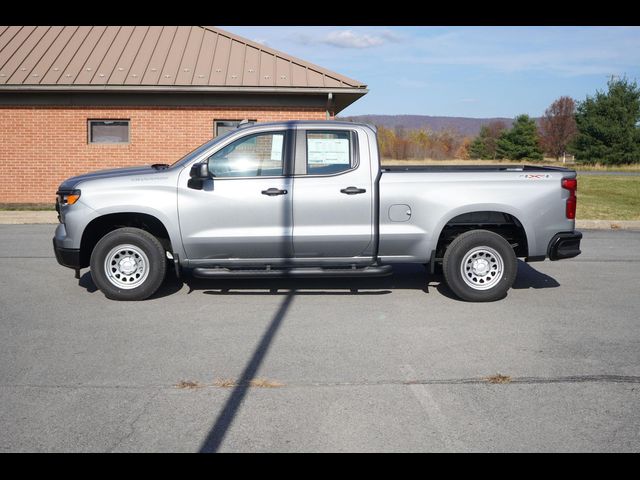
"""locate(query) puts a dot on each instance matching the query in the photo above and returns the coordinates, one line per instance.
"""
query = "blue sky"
(462, 71)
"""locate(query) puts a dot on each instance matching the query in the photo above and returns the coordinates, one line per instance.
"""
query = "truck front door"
(332, 195)
(244, 212)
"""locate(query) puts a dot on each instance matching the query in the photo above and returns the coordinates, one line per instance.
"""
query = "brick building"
(75, 99)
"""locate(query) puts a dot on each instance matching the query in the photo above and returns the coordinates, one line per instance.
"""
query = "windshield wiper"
(160, 166)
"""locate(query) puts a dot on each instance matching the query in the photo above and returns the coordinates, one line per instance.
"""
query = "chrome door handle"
(353, 190)
(272, 192)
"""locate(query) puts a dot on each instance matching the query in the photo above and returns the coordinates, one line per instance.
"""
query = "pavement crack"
(579, 379)
(480, 380)
(132, 423)
(76, 386)
(484, 381)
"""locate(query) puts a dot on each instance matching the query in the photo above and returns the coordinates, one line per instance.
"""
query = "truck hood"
(70, 183)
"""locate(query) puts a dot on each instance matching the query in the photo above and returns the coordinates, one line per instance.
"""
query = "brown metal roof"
(162, 58)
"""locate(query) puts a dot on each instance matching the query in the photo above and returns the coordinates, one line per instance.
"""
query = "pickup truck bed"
(525, 202)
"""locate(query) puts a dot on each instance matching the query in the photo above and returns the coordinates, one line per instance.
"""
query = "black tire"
(488, 285)
(153, 270)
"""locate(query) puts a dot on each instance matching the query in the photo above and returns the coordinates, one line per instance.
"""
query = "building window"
(108, 131)
(221, 127)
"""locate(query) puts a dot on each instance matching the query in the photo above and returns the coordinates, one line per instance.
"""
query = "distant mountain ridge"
(468, 127)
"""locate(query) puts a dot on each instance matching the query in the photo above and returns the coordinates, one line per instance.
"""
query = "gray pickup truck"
(310, 199)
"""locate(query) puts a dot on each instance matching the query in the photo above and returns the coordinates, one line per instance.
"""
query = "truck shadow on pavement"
(86, 282)
(410, 277)
(405, 277)
(528, 277)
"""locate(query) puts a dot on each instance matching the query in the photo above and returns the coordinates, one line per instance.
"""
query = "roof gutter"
(183, 89)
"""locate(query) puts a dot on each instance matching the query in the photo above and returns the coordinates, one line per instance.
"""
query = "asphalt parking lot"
(393, 364)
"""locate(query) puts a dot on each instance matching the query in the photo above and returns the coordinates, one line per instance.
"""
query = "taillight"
(571, 184)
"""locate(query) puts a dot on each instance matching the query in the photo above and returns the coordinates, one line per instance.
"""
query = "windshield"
(198, 150)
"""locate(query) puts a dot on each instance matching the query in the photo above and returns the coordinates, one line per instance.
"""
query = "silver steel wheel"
(126, 266)
(482, 268)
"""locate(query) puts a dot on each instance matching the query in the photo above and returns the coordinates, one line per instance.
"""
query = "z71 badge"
(534, 176)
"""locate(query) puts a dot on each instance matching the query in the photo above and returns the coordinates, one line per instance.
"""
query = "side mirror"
(199, 173)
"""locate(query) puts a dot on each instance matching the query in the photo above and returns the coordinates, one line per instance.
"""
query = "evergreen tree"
(521, 141)
(478, 148)
(485, 144)
(608, 125)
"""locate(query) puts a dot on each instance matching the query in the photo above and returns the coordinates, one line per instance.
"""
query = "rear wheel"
(480, 266)
(128, 264)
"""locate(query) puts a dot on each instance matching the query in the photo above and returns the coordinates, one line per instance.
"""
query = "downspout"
(329, 104)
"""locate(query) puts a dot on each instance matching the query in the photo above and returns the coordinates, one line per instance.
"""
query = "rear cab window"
(328, 152)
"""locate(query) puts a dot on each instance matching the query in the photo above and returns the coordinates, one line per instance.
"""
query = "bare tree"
(494, 130)
(558, 127)
(401, 143)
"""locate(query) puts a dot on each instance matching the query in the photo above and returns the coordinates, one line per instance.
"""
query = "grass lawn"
(27, 206)
(608, 197)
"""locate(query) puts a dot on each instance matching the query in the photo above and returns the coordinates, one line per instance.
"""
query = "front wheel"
(128, 264)
(480, 266)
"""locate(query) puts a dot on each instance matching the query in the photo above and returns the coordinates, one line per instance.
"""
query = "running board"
(293, 272)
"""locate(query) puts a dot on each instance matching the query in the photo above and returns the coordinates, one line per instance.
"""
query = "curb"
(24, 217)
(608, 224)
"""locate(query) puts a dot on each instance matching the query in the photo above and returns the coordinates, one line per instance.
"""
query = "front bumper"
(564, 245)
(67, 257)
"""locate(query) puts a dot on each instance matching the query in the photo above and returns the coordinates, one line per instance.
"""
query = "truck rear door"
(332, 195)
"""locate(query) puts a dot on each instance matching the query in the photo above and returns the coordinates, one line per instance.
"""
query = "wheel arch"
(503, 221)
(100, 226)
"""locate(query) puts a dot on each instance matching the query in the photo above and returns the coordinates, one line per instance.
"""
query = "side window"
(328, 152)
(259, 155)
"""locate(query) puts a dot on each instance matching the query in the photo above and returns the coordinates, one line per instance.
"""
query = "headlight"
(68, 197)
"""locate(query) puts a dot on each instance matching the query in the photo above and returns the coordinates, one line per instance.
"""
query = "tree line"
(604, 128)
(402, 144)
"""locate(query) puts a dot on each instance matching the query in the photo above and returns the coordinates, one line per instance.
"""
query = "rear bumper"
(67, 257)
(564, 245)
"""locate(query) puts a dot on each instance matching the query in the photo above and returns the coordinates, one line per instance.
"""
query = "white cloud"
(565, 52)
(357, 38)
(302, 38)
(391, 36)
(351, 39)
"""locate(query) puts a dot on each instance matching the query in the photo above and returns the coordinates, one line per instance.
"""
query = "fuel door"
(399, 213)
